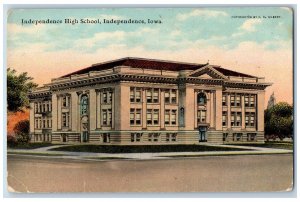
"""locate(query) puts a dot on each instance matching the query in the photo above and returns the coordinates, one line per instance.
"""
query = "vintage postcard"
(150, 100)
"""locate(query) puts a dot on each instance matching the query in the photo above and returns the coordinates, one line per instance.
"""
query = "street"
(245, 173)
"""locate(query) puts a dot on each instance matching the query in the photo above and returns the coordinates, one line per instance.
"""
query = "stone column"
(92, 109)
(189, 108)
(58, 112)
(228, 112)
(212, 110)
(74, 111)
(113, 109)
(162, 108)
(260, 100)
(208, 109)
(31, 117)
(144, 108)
(54, 112)
(218, 108)
(98, 109)
(243, 111)
(195, 110)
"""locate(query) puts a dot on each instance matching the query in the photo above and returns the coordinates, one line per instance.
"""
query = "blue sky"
(260, 46)
(179, 28)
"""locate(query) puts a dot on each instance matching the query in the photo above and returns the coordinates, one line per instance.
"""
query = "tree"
(272, 101)
(21, 130)
(18, 86)
(279, 120)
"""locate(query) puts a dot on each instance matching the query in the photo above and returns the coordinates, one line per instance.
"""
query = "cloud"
(14, 29)
(100, 37)
(249, 25)
(201, 13)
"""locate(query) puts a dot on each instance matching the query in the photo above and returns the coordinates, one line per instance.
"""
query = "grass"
(142, 148)
(221, 154)
(30, 145)
(275, 145)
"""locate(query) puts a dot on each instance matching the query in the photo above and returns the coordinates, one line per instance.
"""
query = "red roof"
(228, 72)
(153, 64)
(140, 63)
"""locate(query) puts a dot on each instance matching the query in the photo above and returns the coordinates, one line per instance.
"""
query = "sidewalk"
(45, 152)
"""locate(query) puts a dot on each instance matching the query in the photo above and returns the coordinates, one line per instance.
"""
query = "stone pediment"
(207, 72)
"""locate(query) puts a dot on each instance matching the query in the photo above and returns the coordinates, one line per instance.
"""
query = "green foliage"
(18, 86)
(21, 130)
(279, 120)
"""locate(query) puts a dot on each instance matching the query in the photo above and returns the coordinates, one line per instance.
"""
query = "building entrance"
(202, 134)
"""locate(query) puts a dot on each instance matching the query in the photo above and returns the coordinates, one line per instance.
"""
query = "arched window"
(201, 99)
(84, 105)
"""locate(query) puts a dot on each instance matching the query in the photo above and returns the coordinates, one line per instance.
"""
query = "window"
(48, 123)
(167, 96)
(44, 123)
(149, 117)
(40, 123)
(201, 116)
(36, 107)
(65, 119)
(225, 136)
(106, 137)
(251, 136)
(136, 137)
(170, 117)
(84, 105)
(152, 95)
(201, 99)
(138, 95)
(104, 97)
(236, 118)
(66, 101)
(171, 137)
(250, 119)
(235, 100)
(153, 137)
(224, 118)
(237, 136)
(155, 95)
(135, 116)
(224, 100)
(152, 116)
(155, 116)
(107, 97)
(250, 100)
(173, 116)
(106, 117)
(167, 117)
(173, 96)
(36, 123)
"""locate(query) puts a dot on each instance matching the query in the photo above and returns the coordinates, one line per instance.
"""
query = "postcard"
(150, 100)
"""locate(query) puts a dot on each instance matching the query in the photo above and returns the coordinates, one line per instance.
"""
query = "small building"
(145, 101)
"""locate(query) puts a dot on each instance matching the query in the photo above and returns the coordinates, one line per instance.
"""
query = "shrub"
(21, 130)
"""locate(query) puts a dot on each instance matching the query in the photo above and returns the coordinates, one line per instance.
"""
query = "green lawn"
(142, 148)
(273, 144)
(31, 145)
